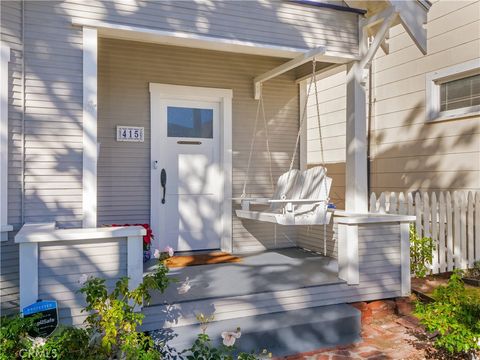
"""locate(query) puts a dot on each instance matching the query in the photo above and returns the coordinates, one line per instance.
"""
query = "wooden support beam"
(289, 65)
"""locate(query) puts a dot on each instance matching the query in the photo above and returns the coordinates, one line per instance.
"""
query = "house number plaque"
(130, 133)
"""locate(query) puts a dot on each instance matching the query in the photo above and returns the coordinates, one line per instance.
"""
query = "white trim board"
(180, 38)
(224, 97)
(4, 60)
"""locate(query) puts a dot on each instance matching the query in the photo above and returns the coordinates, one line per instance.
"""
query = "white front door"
(186, 181)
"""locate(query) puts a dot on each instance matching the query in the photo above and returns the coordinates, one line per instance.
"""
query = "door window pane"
(190, 122)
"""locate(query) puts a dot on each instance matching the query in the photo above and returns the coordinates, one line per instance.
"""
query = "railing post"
(134, 261)
(348, 263)
(28, 274)
(405, 258)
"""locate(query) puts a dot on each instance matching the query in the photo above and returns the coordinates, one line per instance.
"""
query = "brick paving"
(387, 333)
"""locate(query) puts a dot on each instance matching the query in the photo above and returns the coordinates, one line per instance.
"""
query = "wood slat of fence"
(477, 226)
(442, 261)
(402, 204)
(470, 230)
(382, 207)
(373, 203)
(392, 209)
(434, 231)
(449, 243)
(463, 231)
(410, 206)
(418, 214)
(456, 230)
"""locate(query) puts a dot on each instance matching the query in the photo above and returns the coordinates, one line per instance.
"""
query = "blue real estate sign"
(47, 314)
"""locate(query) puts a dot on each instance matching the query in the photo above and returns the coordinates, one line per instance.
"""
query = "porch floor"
(272, 270)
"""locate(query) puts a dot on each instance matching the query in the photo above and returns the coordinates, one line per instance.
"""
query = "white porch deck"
(269, 271)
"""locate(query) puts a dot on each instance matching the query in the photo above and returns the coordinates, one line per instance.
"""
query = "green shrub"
(113, 319)
(455, 315)
(14, 335)
(421, 253)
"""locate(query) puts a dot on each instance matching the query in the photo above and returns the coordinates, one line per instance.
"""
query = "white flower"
(38, 341)
(169, 250)
(229, 337)
(185, 287)
(83, 279)
(156, 254)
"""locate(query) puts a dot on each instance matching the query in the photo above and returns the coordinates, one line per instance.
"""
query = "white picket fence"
(451, 220)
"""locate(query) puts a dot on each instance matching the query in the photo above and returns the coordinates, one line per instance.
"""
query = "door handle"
(163, 182)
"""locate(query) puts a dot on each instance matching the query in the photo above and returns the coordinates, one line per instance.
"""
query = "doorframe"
(224, 98)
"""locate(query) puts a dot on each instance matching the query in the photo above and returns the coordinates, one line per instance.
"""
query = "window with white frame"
(454, 92)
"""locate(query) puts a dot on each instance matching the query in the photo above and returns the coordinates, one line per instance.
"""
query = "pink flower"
(169, 250)
(229, 337)
(156, 254)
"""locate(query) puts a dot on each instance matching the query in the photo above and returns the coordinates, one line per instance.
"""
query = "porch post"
(90, 151)
(356, 189)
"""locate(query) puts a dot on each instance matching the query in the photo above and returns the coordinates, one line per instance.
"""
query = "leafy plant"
(14, 335)
(455, 315)
(475, 271)
(421, 253)
(203, 349)
(113, 318)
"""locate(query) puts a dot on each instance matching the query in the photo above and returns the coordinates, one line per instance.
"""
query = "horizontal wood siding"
(61, 264)
(11, 35)
(408, 153)
(272, 22)
(312, 238)
(125, 71)
(327, 144)
(379, 262)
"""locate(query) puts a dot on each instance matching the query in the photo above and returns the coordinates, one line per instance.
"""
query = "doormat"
(217, 257)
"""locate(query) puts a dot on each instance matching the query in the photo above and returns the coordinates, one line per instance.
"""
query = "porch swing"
(300, 197)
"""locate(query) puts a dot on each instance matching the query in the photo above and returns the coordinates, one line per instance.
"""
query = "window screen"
(461, 93)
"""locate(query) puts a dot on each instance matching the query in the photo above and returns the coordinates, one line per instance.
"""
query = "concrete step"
(282, 333)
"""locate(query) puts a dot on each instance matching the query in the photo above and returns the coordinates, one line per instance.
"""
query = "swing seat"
(306, 200)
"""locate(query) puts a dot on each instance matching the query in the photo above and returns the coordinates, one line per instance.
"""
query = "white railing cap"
(343, 217)
(46, 232)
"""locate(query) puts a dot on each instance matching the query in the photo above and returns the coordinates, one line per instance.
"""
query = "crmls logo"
(38, 352)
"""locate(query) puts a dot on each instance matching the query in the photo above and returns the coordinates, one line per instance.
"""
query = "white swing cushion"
(306, 202)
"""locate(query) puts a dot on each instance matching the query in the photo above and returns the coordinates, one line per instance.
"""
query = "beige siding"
(408, 153)
(126, 69)
(332, 108)
(61, 264)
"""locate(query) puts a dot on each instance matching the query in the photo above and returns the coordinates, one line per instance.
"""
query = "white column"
(4, 60)
(28, 253)
(135, 262)
(356, 187)
(405, 258)
(90, 151)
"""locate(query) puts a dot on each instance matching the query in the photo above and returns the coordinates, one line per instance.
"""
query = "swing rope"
(260, 107)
